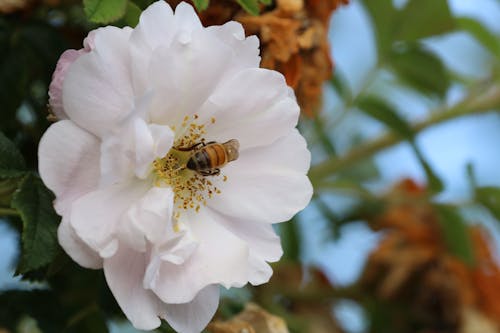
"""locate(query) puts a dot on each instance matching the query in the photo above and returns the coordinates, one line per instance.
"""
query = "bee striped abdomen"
(209, 157)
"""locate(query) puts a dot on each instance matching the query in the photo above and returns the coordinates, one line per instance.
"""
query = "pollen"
(191, 189)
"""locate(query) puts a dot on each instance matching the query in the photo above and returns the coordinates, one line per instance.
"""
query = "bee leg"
(213, 172)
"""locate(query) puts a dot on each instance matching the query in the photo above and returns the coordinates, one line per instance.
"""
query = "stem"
(482, 103)
(8, 212)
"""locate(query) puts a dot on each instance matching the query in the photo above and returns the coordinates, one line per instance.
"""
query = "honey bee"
(208, 158)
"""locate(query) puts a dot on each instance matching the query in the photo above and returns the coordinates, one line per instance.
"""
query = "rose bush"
(130, 103)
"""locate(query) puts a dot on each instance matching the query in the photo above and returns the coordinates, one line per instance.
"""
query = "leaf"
(251, 6)
(39, 238)
(12, 163)
(340, 84)
(489, 197)
(290, 239)
(324, 139)
(104, 11)
(455, 233)
(423, 18)
(266, 2)
(421, 69)
(132, 14)
(201, 5)
(434, 182)
(382, 111)
(484, 36)
(383, 15)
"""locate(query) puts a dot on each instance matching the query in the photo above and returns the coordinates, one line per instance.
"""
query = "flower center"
(191, 188)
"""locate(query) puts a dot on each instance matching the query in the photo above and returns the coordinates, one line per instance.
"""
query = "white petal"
(75, 248)
(266, 184)
(124, 272)
(256, 107)
(148, 219)
(163, 138)
(95, 216)
(260, 237)
(264, 245)
(68, 162)
(186, 19)
(194, 316)
(219, 258)
(155, 28)
(190, 72)
(97, 92)
(259, 271)
(246, 49)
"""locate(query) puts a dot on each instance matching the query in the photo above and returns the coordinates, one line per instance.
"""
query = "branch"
(482, 102)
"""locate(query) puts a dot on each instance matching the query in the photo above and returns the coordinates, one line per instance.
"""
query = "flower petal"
(95, 216)
(97, 92)
(264, 245)
(266, 184)
(246, 50)
(124, 272)
(68, 162)
(194, 316)
(148, 219)
(266, 109)
(190, 72)
(220, 257)
(75, 248)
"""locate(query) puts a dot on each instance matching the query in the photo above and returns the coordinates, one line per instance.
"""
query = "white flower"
(167, 236)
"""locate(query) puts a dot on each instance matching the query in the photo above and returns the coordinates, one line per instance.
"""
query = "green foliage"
(455, 233)
(104, 11)
(484, 36)
(12, 163)
(489, 197)
(418, 19)
(421, 69)
(380, 110)
(423, 18)
(291, 240)
(251, 6)
(39, 240)
(201, 5)
(132, 14)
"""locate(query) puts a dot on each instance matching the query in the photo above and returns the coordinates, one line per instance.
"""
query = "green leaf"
(201, 5)
(489, 197)
(104, 11)
(484, 36)
(251, 6)
(340, 84)
(266, 2)
(383, 15)
(11, 161)
(382, 111)
(324, 139)
(455, 233)
(132, 14)
(39, 238)
(433, 181)
(423, 18)
(290, 239)
(421, 69)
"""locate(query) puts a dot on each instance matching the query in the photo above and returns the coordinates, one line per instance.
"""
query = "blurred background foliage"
(402, 234)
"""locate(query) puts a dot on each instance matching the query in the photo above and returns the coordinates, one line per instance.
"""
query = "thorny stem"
(8, 212)
(477, 103)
